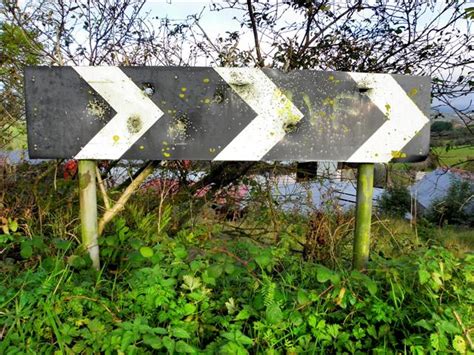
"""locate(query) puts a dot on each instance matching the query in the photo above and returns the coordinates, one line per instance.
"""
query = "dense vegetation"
(219, 286)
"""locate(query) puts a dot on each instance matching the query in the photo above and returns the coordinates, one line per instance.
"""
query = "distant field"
(455, 155)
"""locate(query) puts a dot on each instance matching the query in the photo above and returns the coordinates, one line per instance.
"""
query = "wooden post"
(365, 188)
(88, 206)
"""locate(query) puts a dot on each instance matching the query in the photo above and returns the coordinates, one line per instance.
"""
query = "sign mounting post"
(88, 206)
(365, 188)
(222, 114)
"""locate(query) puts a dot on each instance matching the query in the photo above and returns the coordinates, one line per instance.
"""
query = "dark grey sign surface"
(201, 113)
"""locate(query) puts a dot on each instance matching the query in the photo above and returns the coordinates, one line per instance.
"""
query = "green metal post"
(365, 188)
(88, 206)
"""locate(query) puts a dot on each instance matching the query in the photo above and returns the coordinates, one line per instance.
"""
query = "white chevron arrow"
(404, 119)
(136, 113)
(274, 111)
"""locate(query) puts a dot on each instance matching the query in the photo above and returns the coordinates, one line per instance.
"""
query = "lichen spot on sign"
(413, 92)
(134, 124)
(286, 111)
(97, 108)
(397, 154)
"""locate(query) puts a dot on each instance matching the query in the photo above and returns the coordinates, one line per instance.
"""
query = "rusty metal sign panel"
(247, 114)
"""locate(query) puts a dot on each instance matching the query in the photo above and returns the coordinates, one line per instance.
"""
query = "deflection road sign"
(217, 114)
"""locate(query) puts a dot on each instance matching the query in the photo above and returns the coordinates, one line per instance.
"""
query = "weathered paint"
(309, 115)
(135, 112)
(275, 114)
(404, 117)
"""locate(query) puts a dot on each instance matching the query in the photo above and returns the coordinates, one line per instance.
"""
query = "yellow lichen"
(333, 79)
(413, 92)
(398, 154)
(177, 130)
(97, 108)
(286, 111)
(388, 109)
(329, 102)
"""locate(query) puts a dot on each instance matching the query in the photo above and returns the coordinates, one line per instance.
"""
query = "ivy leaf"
(13, 225)
(189, 308)
(459, 344)
(424, 276)
(169, 344)
(26, 250)
(423, 324)
(371, 285)
(302, 297)
(146, 252)
(153, 341)
(434, 340)
(208, 279)
(244, 314)
(238, 337)
(214, 271)
(323, 274)
(233, 348)
(182, 347)
(180, 333)
(263, 260)
(274, 314)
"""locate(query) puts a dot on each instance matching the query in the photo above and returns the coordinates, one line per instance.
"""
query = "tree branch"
(260, 61)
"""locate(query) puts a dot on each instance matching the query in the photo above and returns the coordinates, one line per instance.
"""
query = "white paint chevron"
(129, 102)
(273, 110)
(404, 119)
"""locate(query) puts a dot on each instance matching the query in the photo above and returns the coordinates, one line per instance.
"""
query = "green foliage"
(456, 207)
(395, 201)
(189, 294)
(221, 287)
(441, 126)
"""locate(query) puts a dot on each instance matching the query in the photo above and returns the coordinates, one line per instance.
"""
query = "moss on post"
(88, 206)
(365, 188)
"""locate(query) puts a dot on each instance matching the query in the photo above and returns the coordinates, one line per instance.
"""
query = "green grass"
(460, 240)
(455, 155)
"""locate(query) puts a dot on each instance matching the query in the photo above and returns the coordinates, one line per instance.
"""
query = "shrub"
(456, 207)
(440, 126)
(395, 201)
